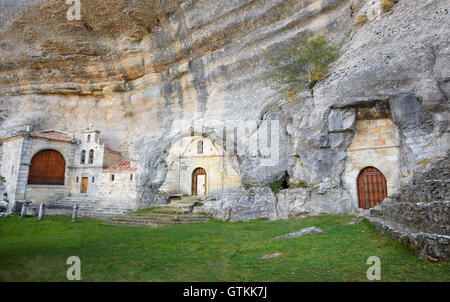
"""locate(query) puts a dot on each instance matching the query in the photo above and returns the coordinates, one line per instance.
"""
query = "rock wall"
(137, 67)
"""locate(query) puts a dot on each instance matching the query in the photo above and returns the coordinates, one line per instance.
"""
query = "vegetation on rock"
(276, 186)
(299, 184)
(298, 69)
(387, 5)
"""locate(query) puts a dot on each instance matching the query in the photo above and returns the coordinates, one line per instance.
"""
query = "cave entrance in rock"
(372, 187)
(199, 182)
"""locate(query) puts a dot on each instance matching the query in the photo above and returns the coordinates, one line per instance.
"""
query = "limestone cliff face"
(135, 68)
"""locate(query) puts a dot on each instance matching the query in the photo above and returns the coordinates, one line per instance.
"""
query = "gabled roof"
(120, 166)
(112, 150)
(48, 134)
(53, 134)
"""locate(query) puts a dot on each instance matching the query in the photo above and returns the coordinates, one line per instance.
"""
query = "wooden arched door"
(48, 167)
(372, 188)
(199, 182)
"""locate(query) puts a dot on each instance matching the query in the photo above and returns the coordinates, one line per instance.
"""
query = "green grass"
(215, 251)
(145, 211)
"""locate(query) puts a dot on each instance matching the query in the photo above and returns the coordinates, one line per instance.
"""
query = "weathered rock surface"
(137, 67)
(292, 203)
(242, 204)
(303, 232)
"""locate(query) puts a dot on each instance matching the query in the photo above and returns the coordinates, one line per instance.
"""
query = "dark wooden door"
(47, 167)
(84, 184)
(372, 188)
(195, 174)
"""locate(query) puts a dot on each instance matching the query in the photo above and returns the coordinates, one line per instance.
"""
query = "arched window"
(89, 138)
(48, 167)
(83, 157)
(200, 147)
(91, 156)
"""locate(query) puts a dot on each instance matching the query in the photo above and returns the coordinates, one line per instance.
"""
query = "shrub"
(276, 186)
(387, 5)
(297, 69)
(247, 186)
(361, 19)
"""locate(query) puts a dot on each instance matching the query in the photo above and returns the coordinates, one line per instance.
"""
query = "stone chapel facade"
(51, 166)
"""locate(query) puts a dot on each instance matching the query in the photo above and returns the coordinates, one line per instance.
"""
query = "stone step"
(125, 223)
(156, 219)
(429, 246)
(160, 219)
(183, 203)
(177, 210)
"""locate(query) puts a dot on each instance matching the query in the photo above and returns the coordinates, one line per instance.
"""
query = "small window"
(78, 179)
(112, 177)
(89, 138)
(93, 179)
(200, 147)
(83, 157)
(12, 170)
(91, 156)
(131, 177)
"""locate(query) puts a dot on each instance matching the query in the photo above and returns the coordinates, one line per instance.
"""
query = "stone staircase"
(184, 210)
(421, 226)
(100, 208)
(182, 205)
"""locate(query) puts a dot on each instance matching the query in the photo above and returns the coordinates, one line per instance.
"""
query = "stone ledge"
(430, 217)
(428, 246)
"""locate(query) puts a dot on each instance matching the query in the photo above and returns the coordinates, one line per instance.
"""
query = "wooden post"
(41, 211)
(75, 213)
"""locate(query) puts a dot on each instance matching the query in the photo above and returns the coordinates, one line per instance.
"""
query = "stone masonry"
(419, 214)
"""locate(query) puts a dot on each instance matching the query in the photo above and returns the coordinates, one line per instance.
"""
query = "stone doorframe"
(195, 173)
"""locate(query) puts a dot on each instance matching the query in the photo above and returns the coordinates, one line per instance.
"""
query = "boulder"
(303, 232)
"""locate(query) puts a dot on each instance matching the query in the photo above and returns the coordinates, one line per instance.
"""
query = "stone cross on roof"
(90, 126)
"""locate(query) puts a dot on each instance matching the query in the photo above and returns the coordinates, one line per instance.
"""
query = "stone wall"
(11, 151)
(430, 183)
(418, 215)
(121, 187)
(44, 193)
(430, 217)
(375, 143)
(93, 175)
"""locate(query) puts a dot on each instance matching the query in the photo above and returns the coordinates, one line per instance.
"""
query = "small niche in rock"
(285, 180)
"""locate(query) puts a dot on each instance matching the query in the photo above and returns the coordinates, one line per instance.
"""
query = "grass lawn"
(215, 251)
